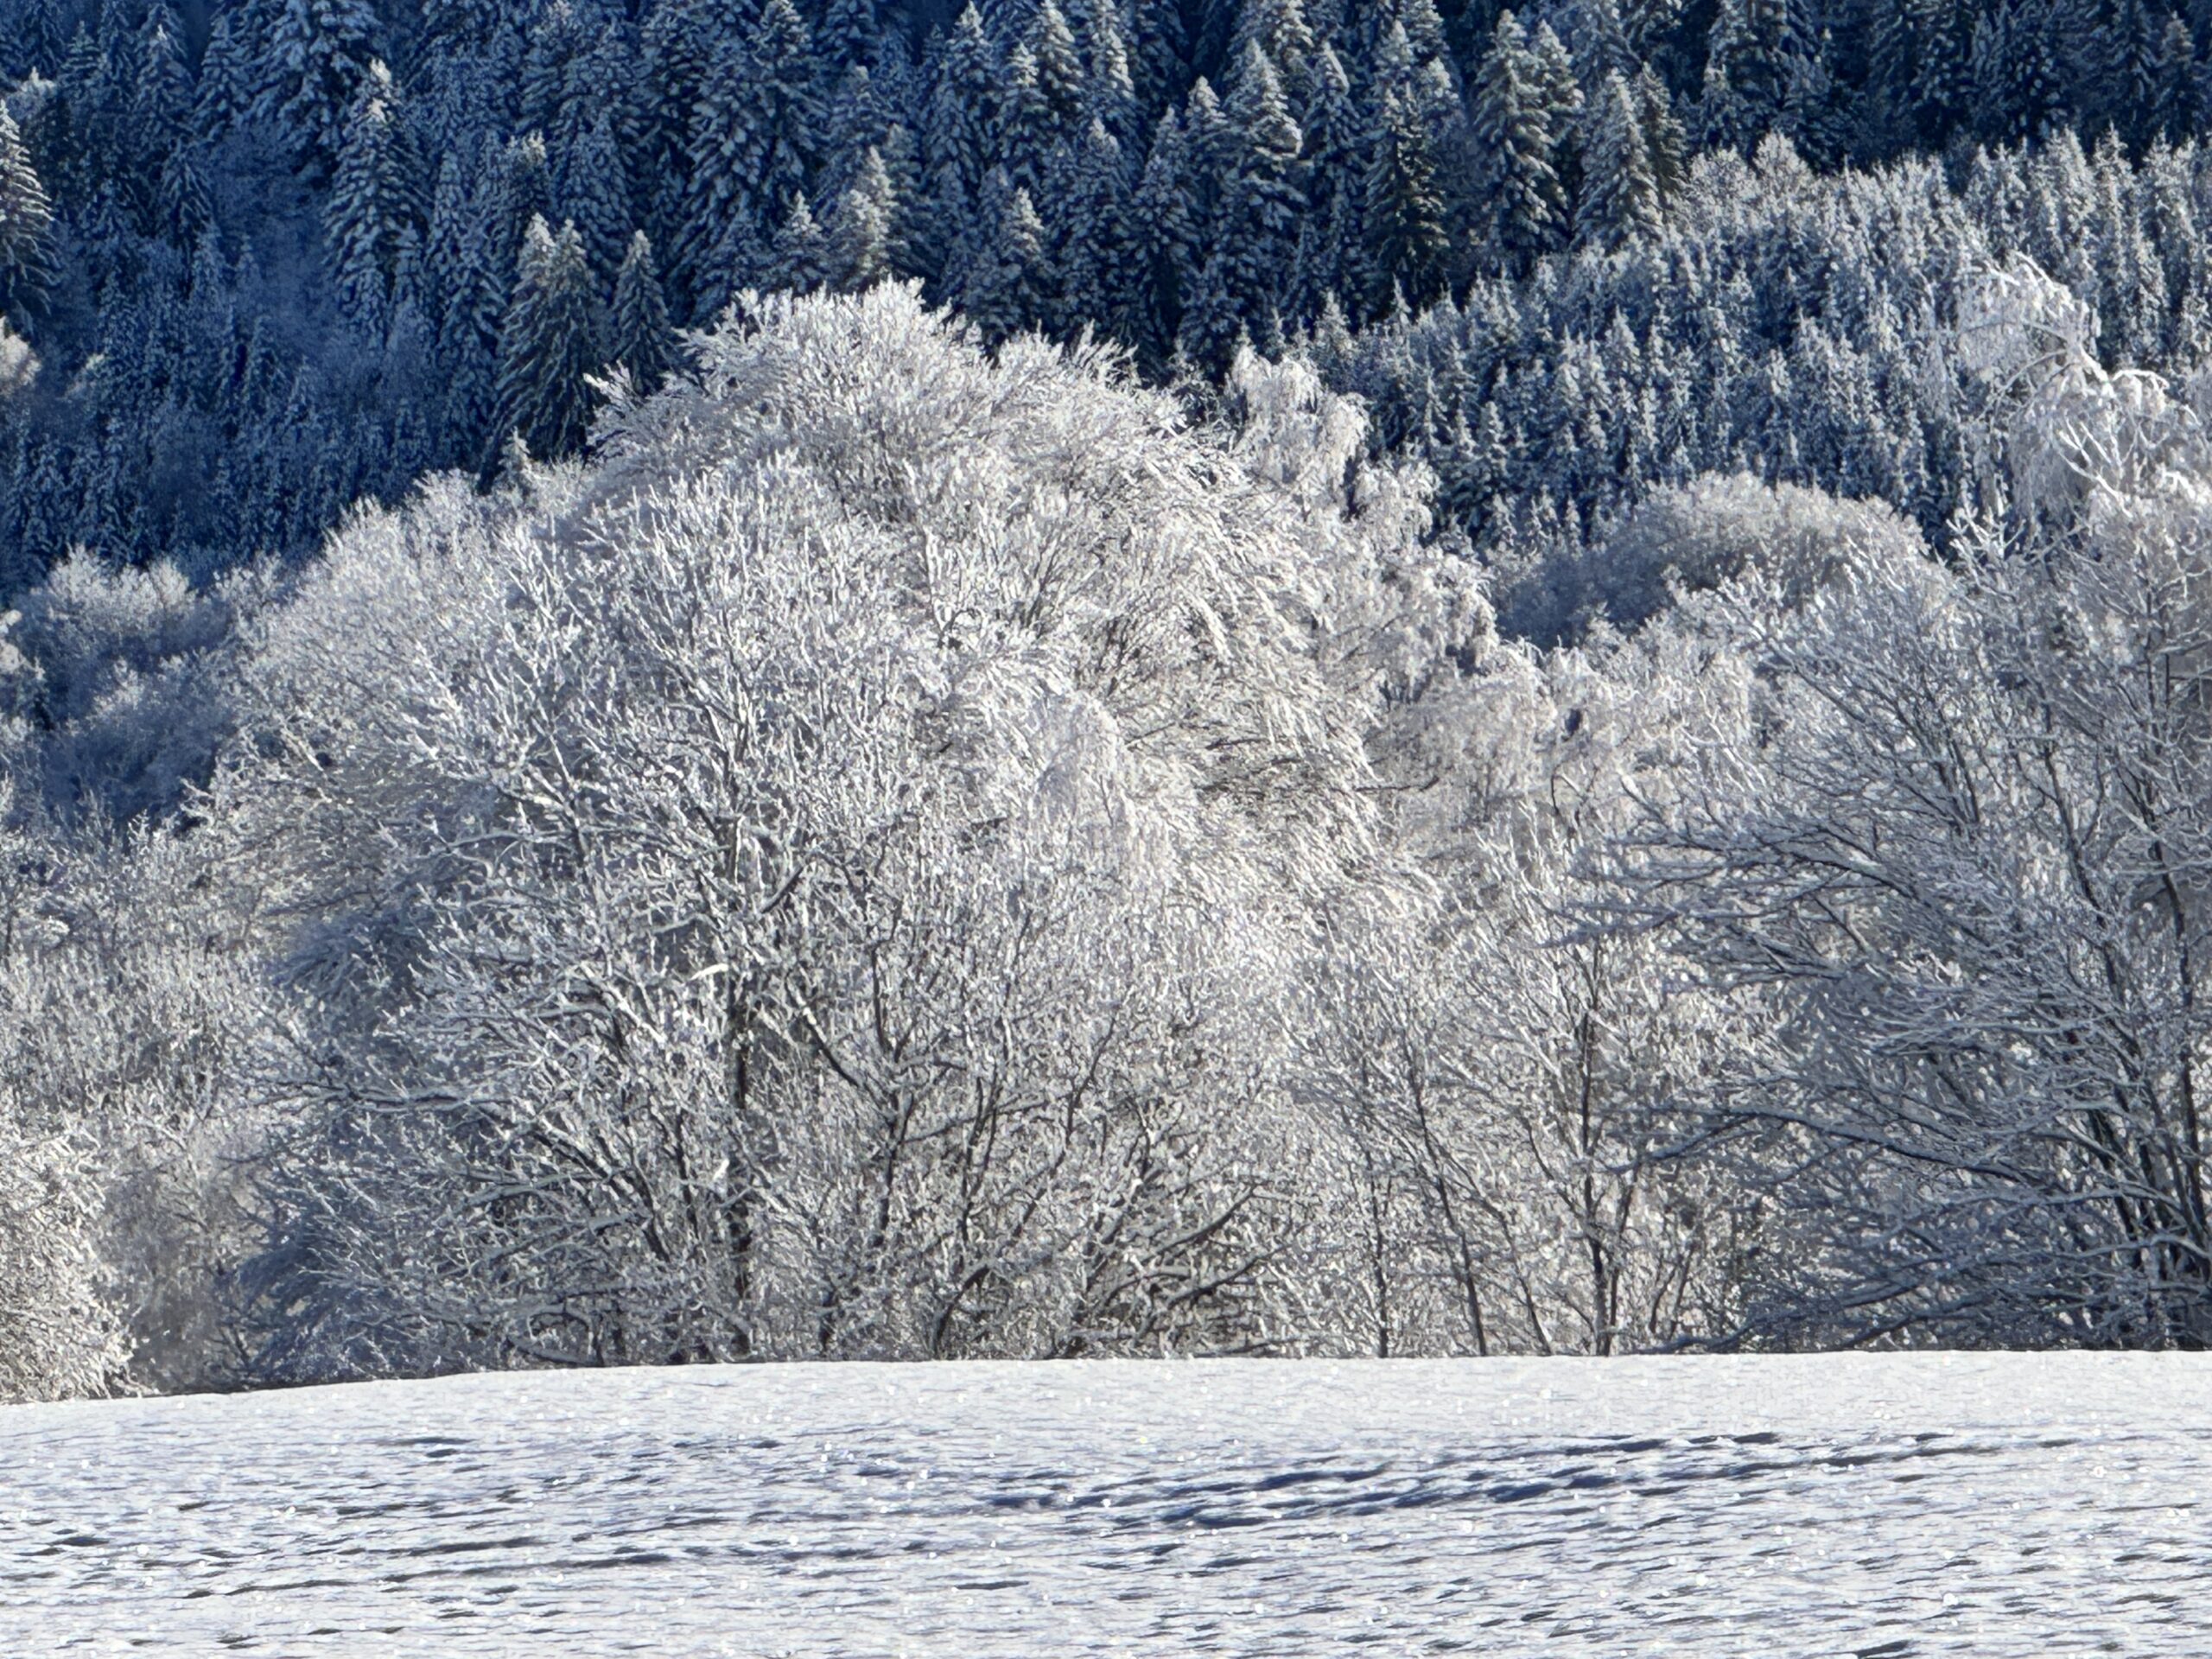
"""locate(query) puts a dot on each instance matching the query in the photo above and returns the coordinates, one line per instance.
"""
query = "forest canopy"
(729, 679)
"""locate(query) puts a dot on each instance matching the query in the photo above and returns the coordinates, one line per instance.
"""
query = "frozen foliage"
(1696, 536)
(828, 871)
(910, 849)
(1965, 852)
(2006, 1506)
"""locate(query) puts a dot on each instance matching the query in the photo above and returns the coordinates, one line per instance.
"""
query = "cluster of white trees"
(911, 852)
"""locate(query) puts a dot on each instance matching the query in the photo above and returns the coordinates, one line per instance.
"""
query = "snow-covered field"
(1785, 1507)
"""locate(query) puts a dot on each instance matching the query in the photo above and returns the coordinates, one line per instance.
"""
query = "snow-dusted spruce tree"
(376, 199)
(313, 62)
(1966, 852)
(640, 339)
(826, 880)
(550, 343)
(26, 226)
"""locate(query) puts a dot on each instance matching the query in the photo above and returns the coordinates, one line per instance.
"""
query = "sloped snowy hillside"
(2033, 1505)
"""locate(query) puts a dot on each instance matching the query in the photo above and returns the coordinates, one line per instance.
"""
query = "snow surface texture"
(1786, 1508)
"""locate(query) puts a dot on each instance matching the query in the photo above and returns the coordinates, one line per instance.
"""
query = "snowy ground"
(1781, 1508)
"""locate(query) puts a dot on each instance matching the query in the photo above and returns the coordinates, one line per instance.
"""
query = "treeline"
(274, 258)
(911, 854)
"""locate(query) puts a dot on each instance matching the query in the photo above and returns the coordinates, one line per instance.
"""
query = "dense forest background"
(1318, 679)
(275, 258)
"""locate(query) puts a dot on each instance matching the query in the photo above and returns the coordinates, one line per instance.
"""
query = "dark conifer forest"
(275, 258)
(717, 679)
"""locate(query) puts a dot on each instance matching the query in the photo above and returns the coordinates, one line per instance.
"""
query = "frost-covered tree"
(549, 344)
(1491, 1079)
(376, 203)
(313, 64)
(1620, 190)
(27, 271)
(1960, 855)
(1513, 127)
(871, 804)
(640, 339)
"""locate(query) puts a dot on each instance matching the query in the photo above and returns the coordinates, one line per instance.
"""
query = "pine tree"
(861, 229)
(376, 198)
(1425, 30)
(2049, 66)
(850, 31)
(225, 94)
(2127, 52)
(1110, 93)
(78, 138)
(594, 193)
(1990, 78)
(27, 270)
(1058, 65)
(461, 25)
(1258, 238)
(1620, 194)
(1663, 140)
(957, 143)
(1209, 159)
(550, 344)
(1159, 56)
(562, 33)
(1512, 127)
(1560, 96)
(1809, 114)
(753, 144)
(1601, 45)
(161, 102)
(313, 65)
(858, 115)
(1941, 85)
(1402, 213)
(639, 337)
(1890, 116)
(800, 258)
(34, 41)
(681, 43)
(1281, 29)
(478, 286)
(519, 188)
(2172, 102)
(183, 208)
(1027, 125)
(1165, 243)
(1760, 71)
(910, 217)
(1006, 287)
(1329, 234)
(1098, 271)
(446, 241)
(1213, 323)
